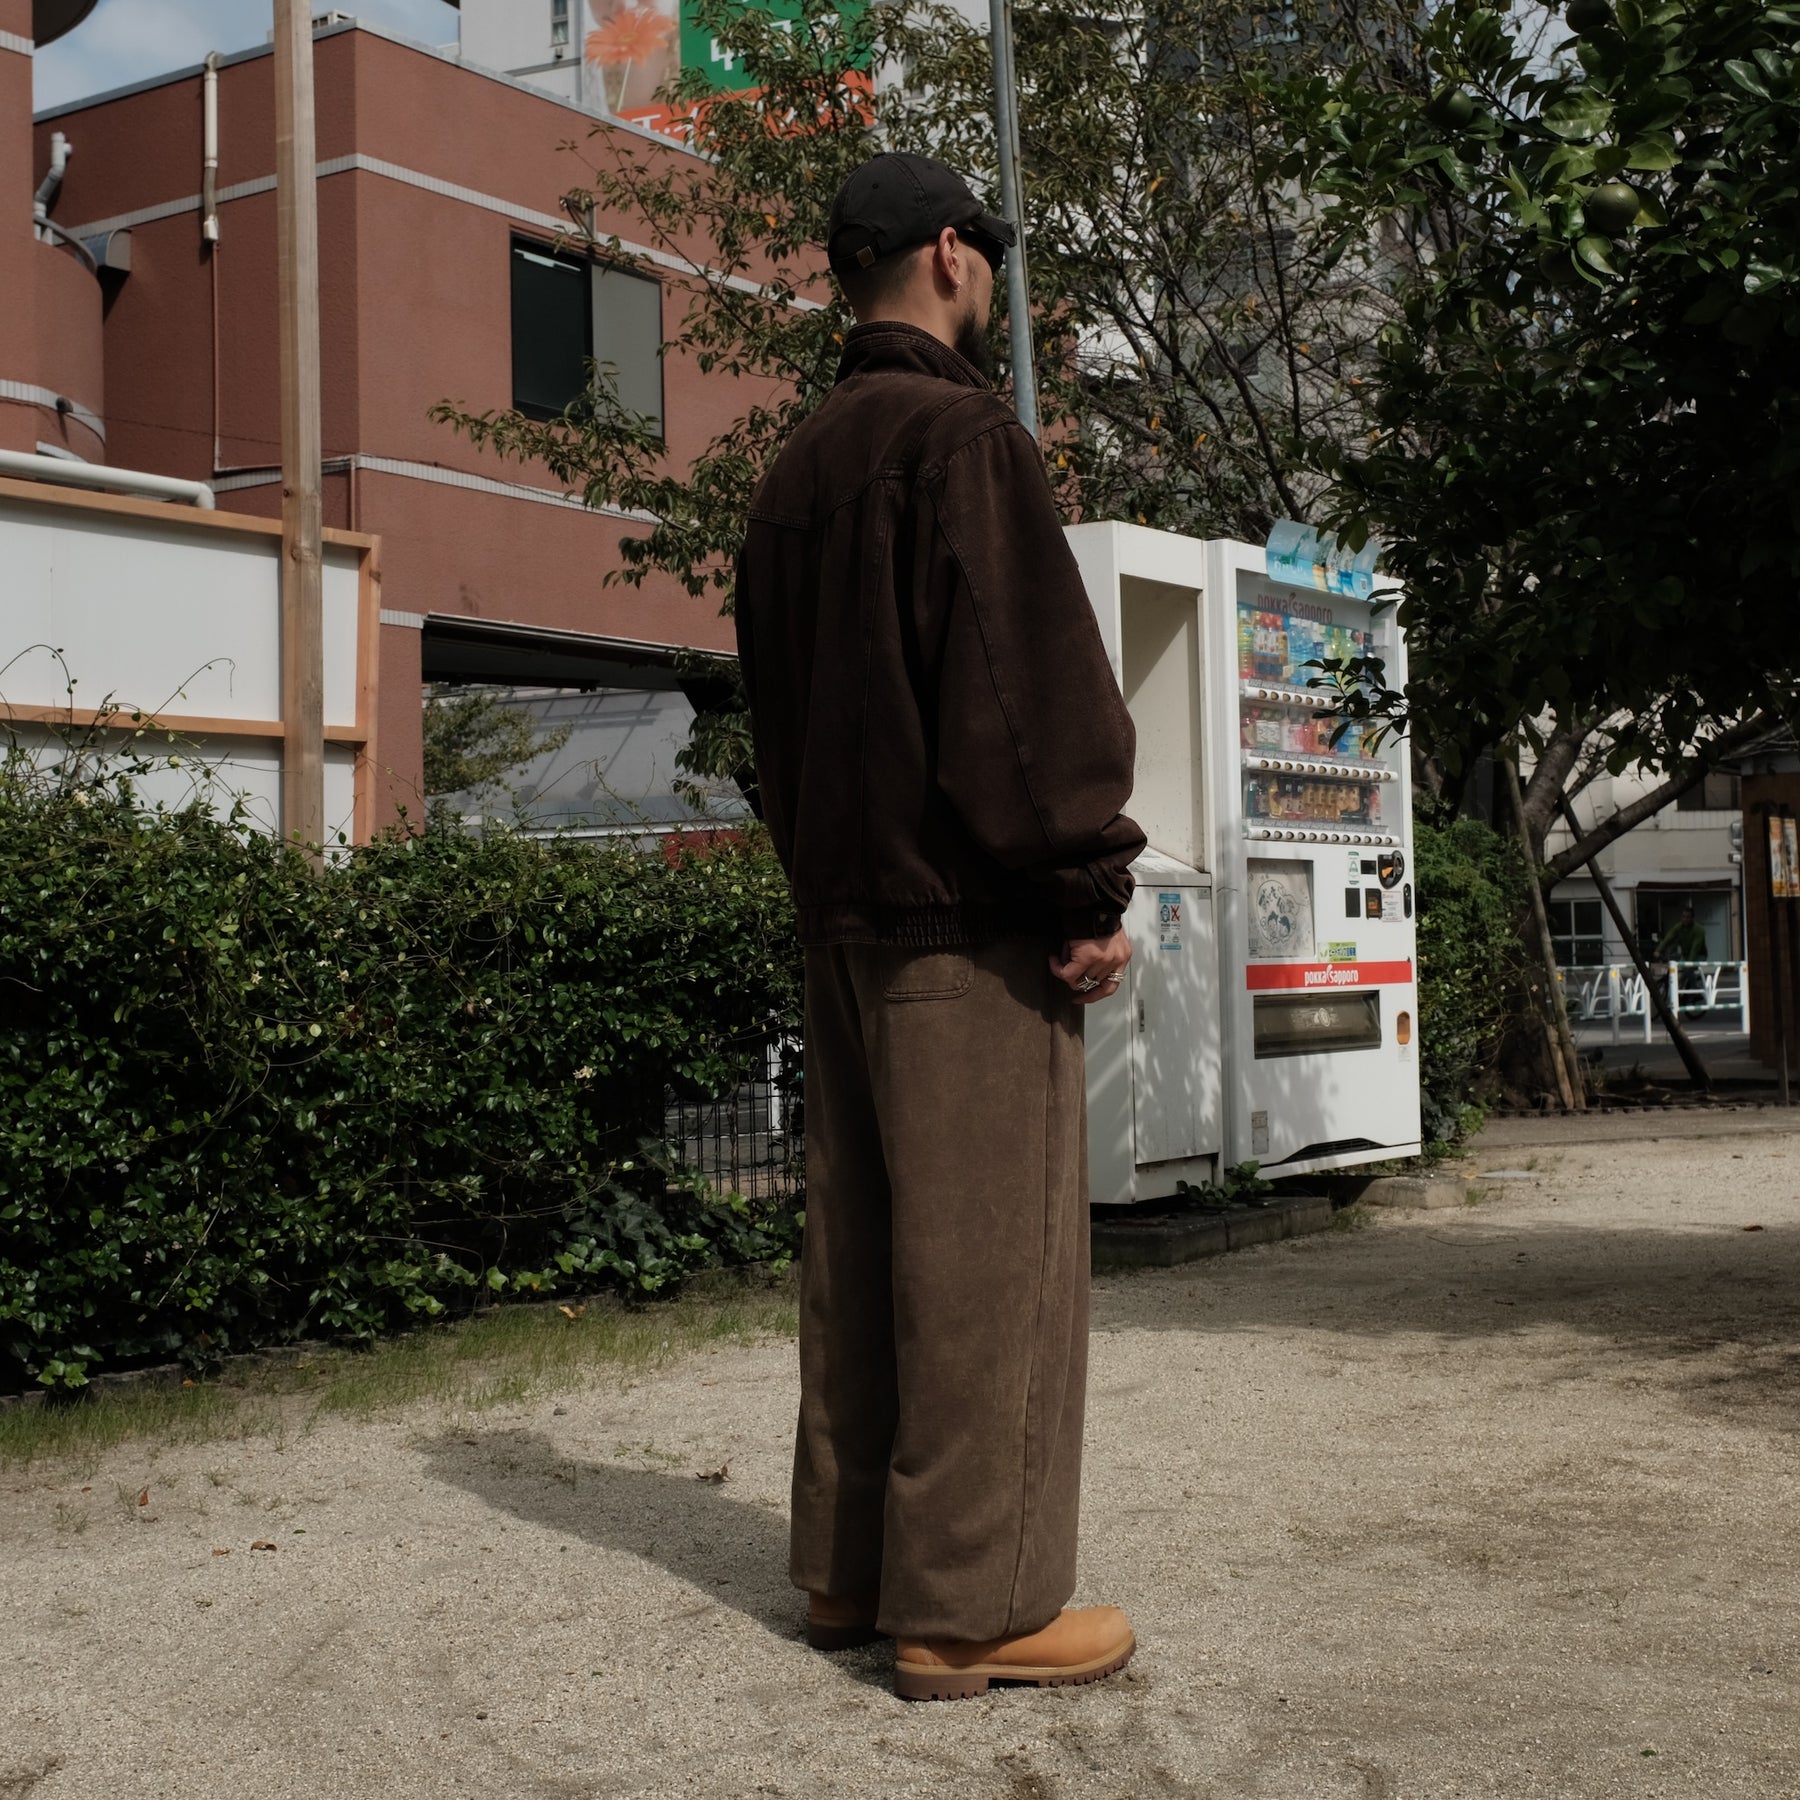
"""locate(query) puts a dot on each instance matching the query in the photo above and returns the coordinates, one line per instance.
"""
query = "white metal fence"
(1617, 993)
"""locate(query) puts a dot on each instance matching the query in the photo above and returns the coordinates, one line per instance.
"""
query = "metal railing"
(1616, 993)
(750, 1142)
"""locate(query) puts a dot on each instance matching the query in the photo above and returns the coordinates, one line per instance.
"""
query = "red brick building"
(445, 275)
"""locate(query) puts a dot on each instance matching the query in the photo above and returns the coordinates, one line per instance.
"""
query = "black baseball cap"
(895, 202)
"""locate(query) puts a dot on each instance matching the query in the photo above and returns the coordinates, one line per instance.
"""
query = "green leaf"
(1579, 116)
(1747, 76)
(1654, 150)
(1596, 254)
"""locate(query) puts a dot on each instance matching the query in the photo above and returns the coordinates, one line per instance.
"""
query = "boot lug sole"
(912, 1682)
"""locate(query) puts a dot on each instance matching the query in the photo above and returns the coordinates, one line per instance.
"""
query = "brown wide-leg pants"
(943, 1288)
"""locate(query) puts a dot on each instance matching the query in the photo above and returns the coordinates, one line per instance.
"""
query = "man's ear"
(948, 256)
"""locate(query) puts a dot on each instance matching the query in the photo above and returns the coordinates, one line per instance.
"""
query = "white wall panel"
(146, 613)
(340, 606)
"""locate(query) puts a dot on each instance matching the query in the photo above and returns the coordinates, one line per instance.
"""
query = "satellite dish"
(51, 19)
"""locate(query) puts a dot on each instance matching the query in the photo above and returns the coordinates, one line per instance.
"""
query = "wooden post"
(1779, 982)
(302, 517)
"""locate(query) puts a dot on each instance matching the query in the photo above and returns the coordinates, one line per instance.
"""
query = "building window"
(1578, 932)
(627, 336)
(1714, 793)
(569, 311)
(559, 24)
(549, 330)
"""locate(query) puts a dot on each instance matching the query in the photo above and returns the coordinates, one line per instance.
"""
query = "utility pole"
(1012, 209)
(302, 518)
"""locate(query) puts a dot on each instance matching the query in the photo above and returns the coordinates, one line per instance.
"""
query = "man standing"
(942, 755)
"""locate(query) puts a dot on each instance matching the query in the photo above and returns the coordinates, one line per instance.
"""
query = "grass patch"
(499, 1358)
(1354, 1217)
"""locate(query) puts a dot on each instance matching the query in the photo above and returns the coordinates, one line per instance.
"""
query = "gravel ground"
(1498, 1501)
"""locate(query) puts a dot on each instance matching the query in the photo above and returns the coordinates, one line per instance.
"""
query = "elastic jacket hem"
(946, 927)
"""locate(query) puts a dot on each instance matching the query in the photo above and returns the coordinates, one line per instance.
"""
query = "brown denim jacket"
(942, 754)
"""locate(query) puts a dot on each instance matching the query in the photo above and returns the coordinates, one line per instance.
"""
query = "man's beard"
(972, 345)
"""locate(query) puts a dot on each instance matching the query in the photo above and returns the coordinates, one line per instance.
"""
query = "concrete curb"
(1417, 1192)
(1122, 1240)
(171, 1376)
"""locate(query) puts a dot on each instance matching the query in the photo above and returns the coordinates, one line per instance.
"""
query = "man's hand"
(1093, 967)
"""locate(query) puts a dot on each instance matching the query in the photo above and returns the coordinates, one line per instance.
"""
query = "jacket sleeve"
(1035, 746)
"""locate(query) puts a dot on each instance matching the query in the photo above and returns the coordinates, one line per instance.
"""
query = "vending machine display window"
(1309, 776)
(1312, 1024)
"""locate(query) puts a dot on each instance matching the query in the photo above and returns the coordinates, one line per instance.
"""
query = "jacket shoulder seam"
(897, 468)
(946, 454)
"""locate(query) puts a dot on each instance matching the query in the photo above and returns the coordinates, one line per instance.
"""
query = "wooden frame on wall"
(360, 734)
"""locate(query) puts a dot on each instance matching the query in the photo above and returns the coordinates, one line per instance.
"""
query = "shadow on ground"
(733, 1552)
(1716, 1306)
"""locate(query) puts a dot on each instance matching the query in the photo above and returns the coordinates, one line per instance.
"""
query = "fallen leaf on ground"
(715, 1476)
(571, 1312)
(1747, 1228)
(262, 1544)
(221, 1553)
(144, 1498)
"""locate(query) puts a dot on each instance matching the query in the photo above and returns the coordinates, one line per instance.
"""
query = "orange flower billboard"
(638, 46)
(636, 49)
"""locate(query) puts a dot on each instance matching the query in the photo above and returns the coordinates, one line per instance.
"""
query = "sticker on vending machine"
(1280, 911)
(1168, 921)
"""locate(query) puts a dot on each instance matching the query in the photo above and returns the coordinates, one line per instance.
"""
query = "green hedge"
(241, 1103)
(1472, 893)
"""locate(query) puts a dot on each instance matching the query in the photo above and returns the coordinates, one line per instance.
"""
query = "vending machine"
(1271, 1005)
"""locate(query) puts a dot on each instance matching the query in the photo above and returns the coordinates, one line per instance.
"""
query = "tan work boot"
(1081, 1644)
(841, 1622)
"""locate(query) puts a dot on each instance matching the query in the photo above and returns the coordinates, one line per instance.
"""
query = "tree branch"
(1686, 777)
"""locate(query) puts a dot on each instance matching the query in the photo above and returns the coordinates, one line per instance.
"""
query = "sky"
(124, 41)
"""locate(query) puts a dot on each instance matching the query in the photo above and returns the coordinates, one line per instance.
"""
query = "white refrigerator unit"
(1270, 1011)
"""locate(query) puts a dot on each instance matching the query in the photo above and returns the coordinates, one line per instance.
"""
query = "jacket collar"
(888, 345)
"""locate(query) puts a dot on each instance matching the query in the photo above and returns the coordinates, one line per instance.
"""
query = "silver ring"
(1087, 984)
